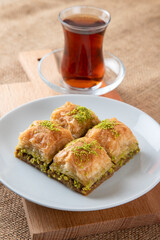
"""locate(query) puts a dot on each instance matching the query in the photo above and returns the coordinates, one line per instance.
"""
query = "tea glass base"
(81, 89)
(49, 71)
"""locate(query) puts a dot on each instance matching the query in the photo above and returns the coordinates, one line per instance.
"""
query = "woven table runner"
(133, 35)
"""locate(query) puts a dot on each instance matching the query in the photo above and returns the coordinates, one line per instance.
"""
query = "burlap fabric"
(133, 36)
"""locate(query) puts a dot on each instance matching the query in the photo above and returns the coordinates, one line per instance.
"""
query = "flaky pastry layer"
(83, 160)
(75, 118)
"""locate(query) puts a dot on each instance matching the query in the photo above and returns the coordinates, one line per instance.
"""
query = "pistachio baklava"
(82, 165)
(117, 139)
(40, 142)
(75, 118)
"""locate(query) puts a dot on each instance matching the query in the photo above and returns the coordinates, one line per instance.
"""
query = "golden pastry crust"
(83, 160)
(75, 118)
(117, 139)
(43, 139)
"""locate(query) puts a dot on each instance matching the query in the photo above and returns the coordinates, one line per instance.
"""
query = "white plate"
(133, 180)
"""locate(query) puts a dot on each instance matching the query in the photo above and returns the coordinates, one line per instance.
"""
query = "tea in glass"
(82, 63)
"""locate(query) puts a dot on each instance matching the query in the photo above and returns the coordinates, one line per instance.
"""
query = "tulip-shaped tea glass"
(82, 63)
(82, 67)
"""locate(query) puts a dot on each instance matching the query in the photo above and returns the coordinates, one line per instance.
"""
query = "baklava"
(40, 142)
(75, 118)
(117, 139)
(59, 148)
(82, 165)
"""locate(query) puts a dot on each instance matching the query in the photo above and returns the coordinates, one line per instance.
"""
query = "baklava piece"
(75, 118)
(40, 142)
(82, 165)
(117, 139)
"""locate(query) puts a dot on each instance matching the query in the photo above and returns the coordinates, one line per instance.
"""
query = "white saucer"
(49, 70)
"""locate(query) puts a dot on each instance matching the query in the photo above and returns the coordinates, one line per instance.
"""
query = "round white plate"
(133, 180)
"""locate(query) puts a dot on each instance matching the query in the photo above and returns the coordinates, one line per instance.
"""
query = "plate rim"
(76, 95)
(118, 203)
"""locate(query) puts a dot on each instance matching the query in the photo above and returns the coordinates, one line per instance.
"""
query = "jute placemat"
(133, 36)
(13, 223)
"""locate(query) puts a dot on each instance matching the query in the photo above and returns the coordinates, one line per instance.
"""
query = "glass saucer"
(49, 69)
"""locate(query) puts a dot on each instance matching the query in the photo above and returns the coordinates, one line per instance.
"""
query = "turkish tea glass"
(82, 65)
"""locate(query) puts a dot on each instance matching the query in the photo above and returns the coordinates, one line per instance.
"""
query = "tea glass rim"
(85, 28)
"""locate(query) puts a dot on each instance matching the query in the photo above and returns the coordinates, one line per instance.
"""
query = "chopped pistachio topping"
(108, 124)
(71, 143)
(82, 153)
(50, 125)
(81, 114)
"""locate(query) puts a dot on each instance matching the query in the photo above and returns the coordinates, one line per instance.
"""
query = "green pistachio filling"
(111, 170)
(34, 159)
(127, 155)
(50, 125)
(75, 183)
(81, 114)
(108, 124)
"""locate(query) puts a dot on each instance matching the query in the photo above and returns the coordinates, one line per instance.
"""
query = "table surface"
(132, 35)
